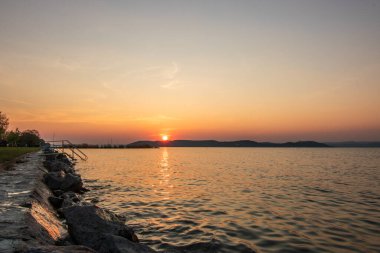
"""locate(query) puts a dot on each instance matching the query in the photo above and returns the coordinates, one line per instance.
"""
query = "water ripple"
(242, 200)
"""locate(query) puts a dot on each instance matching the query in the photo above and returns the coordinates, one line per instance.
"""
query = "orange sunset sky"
(96, 71)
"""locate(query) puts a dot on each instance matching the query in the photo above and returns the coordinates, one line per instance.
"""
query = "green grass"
(9, 153)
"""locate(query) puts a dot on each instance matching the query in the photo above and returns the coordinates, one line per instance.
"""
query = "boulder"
(52, 155)
(54, 180)
(90, 225)
(71, 195)
(63, 158)
(70, 199)
(118, 244)
(72, 183)
(65, 199)
(57, 165)
(60, 181)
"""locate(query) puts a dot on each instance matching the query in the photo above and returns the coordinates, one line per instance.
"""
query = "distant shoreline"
(227, 144)
(232, 144)
(333, 147)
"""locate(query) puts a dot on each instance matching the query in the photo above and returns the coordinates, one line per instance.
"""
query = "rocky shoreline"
(50, 216)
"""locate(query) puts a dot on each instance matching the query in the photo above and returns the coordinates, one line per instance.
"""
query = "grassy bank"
(9, 153)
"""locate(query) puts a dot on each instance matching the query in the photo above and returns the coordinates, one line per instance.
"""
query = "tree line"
(17, 138)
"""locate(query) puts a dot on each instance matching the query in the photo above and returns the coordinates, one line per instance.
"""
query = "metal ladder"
(66, 147)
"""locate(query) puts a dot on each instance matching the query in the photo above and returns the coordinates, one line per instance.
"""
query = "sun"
(165, 137)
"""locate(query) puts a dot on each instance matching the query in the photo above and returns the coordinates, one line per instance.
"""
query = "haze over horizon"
(96, 71)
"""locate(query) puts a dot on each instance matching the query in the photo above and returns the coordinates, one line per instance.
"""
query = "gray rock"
(54, 180)
(90, 225)
(55, 165)
(63, 158)
(118, 244)
(60, 181)
(72, 183)
(70, 199)
(55, 156)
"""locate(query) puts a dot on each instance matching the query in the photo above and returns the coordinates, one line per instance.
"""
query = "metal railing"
(66, 147)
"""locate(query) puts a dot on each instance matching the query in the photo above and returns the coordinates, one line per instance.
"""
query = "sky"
(119, 71)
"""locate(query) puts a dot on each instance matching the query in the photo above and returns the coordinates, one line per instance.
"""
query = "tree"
(13, 137)
(30, 138)
(4, 123)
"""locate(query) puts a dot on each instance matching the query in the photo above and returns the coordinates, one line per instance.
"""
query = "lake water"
(242, 199)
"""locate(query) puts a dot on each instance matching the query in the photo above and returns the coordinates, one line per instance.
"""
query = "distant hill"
(213, 143)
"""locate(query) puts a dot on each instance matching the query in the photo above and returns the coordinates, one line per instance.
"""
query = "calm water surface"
(242, 199)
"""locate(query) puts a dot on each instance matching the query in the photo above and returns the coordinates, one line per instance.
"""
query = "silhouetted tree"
(30, 138)
(13, 137)
(4, 123)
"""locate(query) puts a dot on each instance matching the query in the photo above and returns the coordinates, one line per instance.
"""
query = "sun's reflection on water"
(164, 180)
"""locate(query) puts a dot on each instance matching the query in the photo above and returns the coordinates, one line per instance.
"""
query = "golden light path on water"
(165, 176)
(242, 199)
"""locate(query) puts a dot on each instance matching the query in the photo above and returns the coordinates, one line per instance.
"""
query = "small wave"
(266, 201)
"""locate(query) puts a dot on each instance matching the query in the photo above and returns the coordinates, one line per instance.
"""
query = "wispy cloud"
(171, 71)
(171, 84)
(170, 75)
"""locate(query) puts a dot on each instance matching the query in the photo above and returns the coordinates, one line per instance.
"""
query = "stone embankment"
(41, 210)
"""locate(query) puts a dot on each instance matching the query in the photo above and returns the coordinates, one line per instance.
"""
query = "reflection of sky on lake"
(239, 199)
